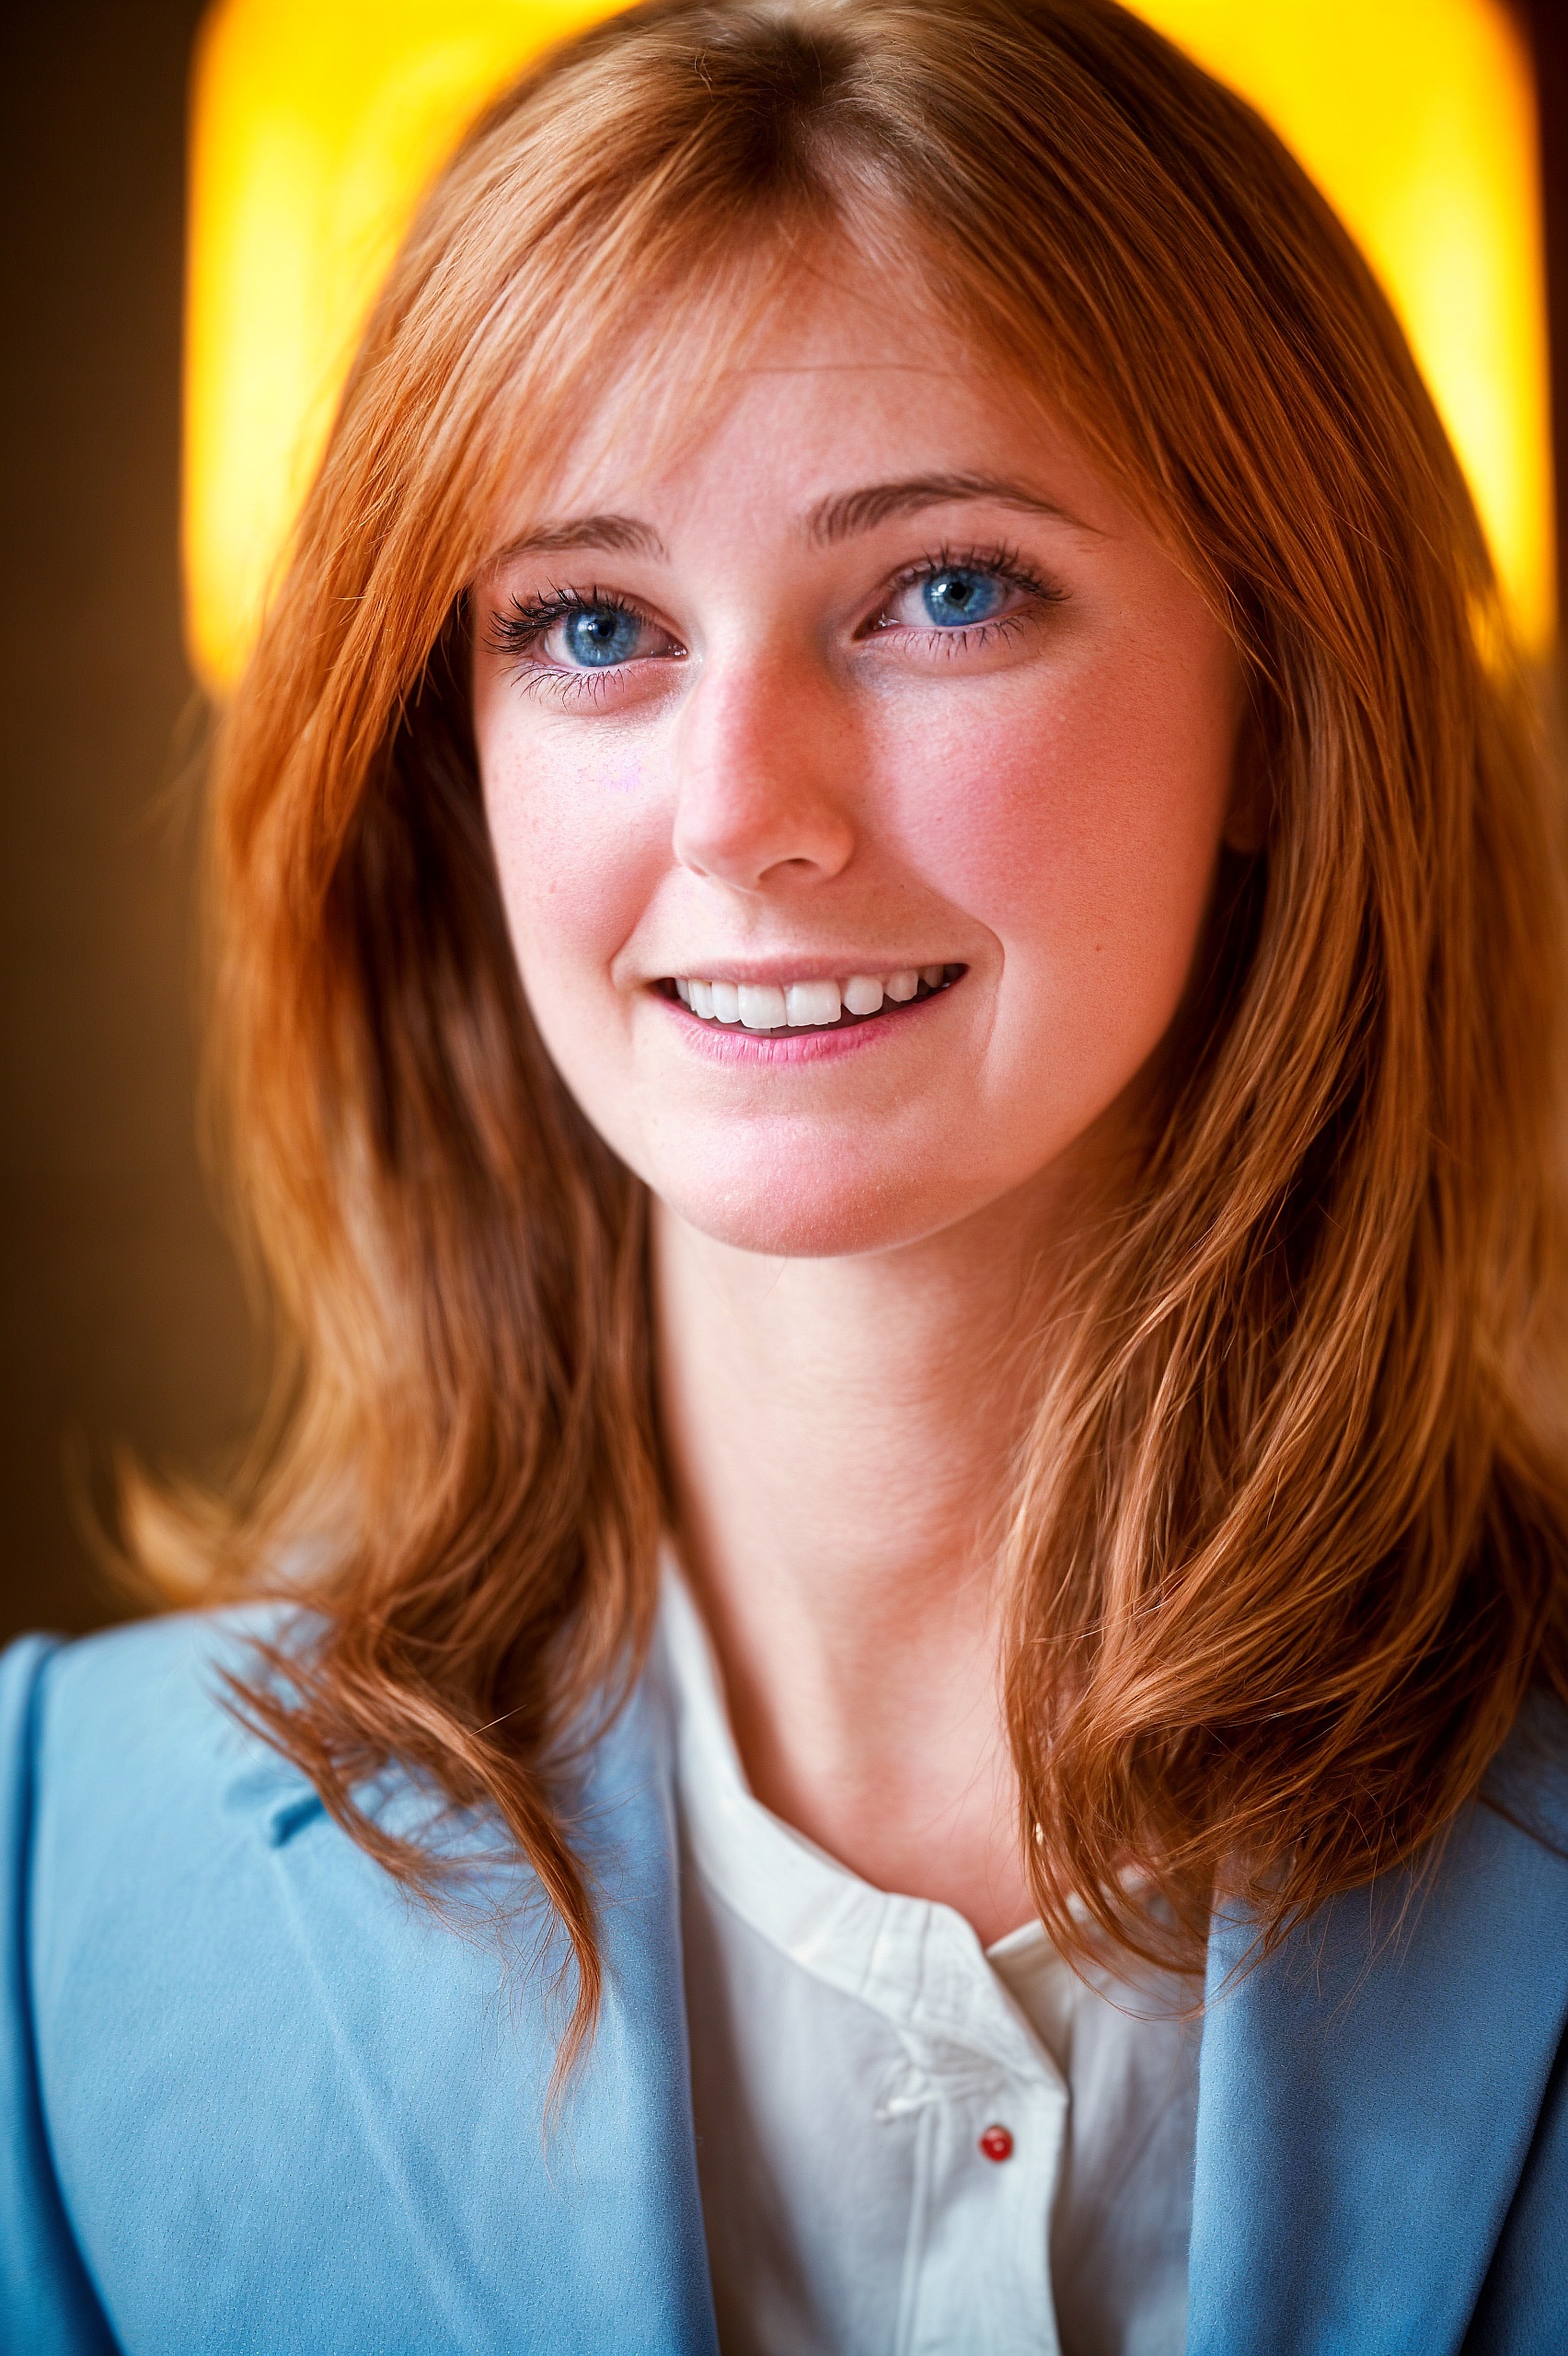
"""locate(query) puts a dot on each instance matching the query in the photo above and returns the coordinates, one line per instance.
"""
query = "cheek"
(1080, 823)
(577, 846)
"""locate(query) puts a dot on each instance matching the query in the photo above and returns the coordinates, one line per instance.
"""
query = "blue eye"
(960, 596)
(598, 636)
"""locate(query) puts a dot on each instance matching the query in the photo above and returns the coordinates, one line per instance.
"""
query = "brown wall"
(120, 1317)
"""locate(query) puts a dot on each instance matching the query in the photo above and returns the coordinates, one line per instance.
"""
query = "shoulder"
(228, 2031)
(139, 1794)
(1528, 1785)
(1383, 2107)
(123, 1877)
(134, 1785)
(140, 1879)
(134, 1725)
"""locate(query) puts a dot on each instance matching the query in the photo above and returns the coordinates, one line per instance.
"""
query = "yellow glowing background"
(316, 124)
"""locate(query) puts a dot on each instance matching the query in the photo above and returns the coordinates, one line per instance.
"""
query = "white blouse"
(907, 2143)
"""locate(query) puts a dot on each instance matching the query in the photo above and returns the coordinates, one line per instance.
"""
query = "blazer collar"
(1367, 2097)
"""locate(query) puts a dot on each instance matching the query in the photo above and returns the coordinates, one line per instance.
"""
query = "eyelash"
(1004, 563)
(518, 630)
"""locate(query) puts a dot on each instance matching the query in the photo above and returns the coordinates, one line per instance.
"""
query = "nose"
(763, 760)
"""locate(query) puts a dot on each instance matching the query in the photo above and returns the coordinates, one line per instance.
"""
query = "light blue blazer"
(256, 2102)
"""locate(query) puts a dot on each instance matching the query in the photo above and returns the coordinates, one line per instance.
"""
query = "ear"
(1251, 808)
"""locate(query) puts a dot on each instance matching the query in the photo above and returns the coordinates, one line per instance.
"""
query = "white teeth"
(803, 1006)
(762, 1006)
(809, 1004)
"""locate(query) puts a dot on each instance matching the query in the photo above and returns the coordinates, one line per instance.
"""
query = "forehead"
(839, 372)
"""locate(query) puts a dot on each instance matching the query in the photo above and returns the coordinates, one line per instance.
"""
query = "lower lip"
(730, 1042)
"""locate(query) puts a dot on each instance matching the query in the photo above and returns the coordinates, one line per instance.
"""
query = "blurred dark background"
(121, 1315)
(122, 1319)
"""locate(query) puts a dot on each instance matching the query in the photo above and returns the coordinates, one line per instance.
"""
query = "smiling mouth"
(791, 1009)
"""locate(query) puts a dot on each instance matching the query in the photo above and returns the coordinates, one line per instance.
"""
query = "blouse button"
(997, 2144)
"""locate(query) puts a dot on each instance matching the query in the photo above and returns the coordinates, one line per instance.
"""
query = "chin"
(816, 1232)
(810, 1208)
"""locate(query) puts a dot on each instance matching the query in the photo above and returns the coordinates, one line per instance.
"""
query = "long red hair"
(1287, 1546)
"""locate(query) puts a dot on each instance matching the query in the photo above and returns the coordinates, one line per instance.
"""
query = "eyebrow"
(622, 533)
(838, 517)
(848, 512)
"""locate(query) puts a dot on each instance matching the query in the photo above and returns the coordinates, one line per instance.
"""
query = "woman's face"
(857, 770)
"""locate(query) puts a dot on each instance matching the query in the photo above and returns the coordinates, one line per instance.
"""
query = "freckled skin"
(786, 780)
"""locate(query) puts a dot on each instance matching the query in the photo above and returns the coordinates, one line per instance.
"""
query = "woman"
(889, 1000)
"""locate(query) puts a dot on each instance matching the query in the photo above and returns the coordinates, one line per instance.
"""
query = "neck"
(840, 1434)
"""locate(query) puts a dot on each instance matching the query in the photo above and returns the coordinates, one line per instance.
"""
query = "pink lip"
(726, 1043)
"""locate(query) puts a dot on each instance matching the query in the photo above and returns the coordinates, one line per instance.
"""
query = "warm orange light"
(314, 126)
(1417, 119)
(315, 123)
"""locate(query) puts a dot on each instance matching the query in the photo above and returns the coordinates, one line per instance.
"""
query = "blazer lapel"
(1367, 2097)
